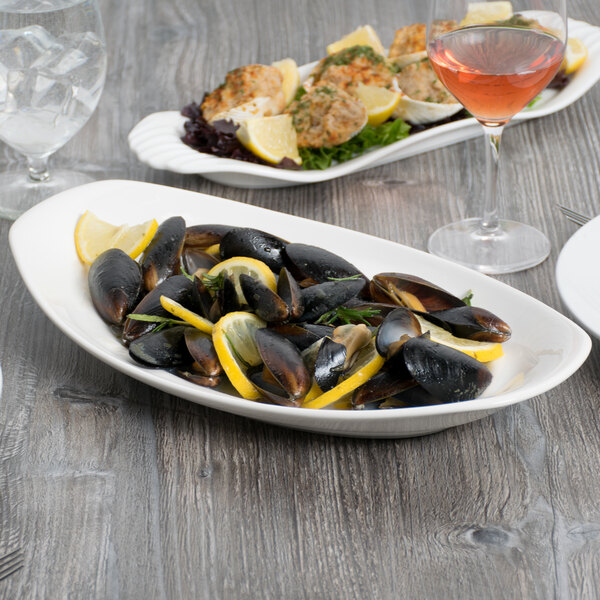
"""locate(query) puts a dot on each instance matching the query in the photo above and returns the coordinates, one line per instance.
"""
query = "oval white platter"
(544, 350)
(578, 285)
(156, 139)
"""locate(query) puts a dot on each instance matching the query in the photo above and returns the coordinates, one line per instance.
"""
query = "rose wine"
(495, 71)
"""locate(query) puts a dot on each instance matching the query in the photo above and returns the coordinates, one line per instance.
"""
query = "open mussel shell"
(399, 326)
(411, 291)
(198, 379)
(268, 305)
(227, 298)
(177, 288)
(284, 362)
(244, 241)
(323, 297)
(114, 281)
(472, 323)
(197, 261)
(164, 348)
(205, 235)
(312, 262)
(419, 112)
(201, 300)
(162, 257)
(446, 373)
(202, 350)
(289, 291)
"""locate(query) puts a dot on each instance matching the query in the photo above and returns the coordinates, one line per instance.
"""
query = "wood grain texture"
(115, 490)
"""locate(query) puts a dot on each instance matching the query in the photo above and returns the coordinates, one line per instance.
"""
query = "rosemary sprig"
(238, 356)
(184, 272)
(347, 315)
(163, 321)
(349, 278)
(214, 283)
(468, 297)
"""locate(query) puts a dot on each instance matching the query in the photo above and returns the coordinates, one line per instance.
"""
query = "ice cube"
(21, 48)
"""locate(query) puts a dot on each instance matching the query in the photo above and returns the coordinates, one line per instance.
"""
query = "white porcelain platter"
(544, 350)
(578, 284)
(156, 139)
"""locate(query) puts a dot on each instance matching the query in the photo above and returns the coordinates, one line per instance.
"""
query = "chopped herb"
(347, 315)
(349, 278)
(184, 272)
(299, 93)
(468, 297)
(369, 136)
(164, 321)
(213, 283)
(238, 356)
(534, 101)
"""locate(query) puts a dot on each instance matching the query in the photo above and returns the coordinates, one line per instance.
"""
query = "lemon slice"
(367, 364)
(575, 55)
(480, 13)
(234, 267)
(233, 337)
(271, 138)
(187, 315)
(93, 236)
(379, 102)
(291, 77)
(363, 36)
(482, 351)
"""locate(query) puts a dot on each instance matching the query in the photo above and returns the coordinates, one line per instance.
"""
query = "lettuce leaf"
(368, 137)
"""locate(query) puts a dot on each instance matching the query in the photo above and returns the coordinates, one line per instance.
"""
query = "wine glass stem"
(38, 169)
(489, 221)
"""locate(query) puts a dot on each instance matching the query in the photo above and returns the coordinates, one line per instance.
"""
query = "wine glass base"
(512, 247)
(19, 193)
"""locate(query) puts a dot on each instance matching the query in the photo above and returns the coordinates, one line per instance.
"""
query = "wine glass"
(52, 71)
(494, 60)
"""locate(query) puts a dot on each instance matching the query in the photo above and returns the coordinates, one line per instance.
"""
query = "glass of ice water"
(52, 71)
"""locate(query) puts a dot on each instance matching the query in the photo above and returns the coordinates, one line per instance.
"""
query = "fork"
(573, 216)
(10, 563)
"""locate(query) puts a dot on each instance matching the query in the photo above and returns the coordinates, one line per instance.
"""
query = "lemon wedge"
(291, 77)
(271, 138)
(234, 267)
(93, 236)
(368, 363)
(379, 102)
(363, 36)
(575, 55)
(480, 13)
(482, 351)
(186, 315)
(233, 337)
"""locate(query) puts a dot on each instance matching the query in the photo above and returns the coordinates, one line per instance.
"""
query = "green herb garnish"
(468, 297)
(347, 315)
(185, 273)
(214, 283)
(534, 101)
(349, 278)
(369, 136)
(238, 356)
(163, 321)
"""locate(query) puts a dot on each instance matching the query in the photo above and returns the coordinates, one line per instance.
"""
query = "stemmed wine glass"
(52, 71)
(494, 62)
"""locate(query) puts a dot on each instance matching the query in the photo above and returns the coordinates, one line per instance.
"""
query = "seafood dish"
(357, 98)
(291, 323)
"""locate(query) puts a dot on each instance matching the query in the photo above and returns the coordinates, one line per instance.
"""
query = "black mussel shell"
(312, 262)
(198, 379)
(446, 373)
(302, 336)
(329, 363)
(206, 235)
(289, 291)
(284, 362)
(227, 298)
(255, 244)
(114, 281)
(323, 297)
(264, 301)
(177, 288)
(162, 257)
(202, 350)
(402, 289)
(393, 379)
(473, 323)
(396, 328)
(195, 260)
(201, 300)
(164, 348)
(269, 388)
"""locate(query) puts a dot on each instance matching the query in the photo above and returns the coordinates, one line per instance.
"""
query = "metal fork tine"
(573, 216)
(14, 563)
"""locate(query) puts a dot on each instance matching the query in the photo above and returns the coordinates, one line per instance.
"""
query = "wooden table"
(115, 490)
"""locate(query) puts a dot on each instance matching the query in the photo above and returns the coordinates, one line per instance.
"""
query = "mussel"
(205, 235)
(164, 348)
(323, 297)
(161, 258)
(114, 281)
(244, 241)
